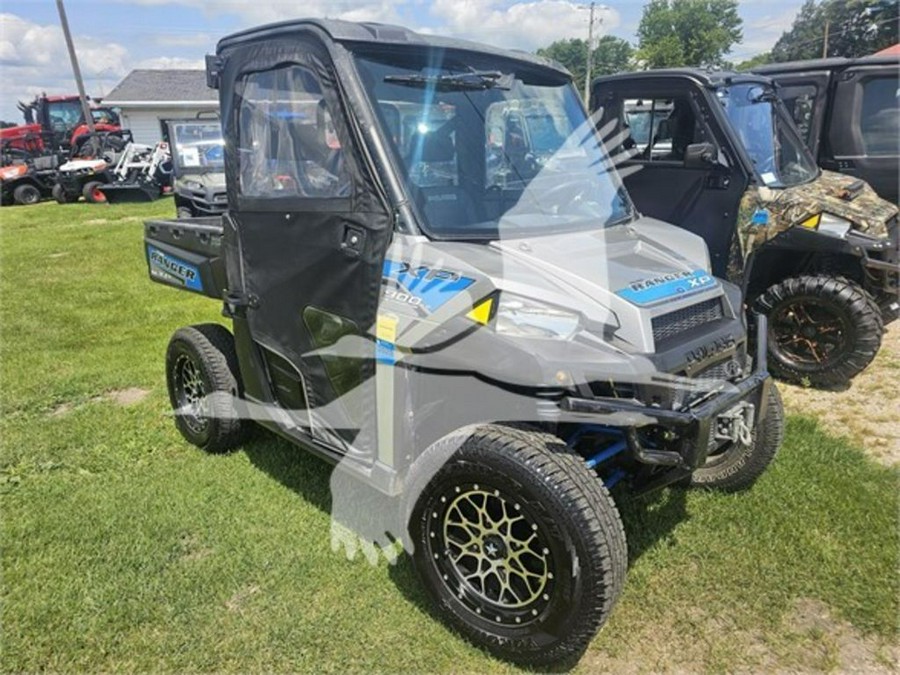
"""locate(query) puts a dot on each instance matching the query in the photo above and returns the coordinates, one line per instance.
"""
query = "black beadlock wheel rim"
(190, 392)
(491, 553)
(808, 334)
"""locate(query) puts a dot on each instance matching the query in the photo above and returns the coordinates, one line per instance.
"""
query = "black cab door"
(658, 126)
(864, 127)
(805, 95)
(306, 237)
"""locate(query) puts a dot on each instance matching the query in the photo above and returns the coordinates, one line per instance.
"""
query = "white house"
(145, 97)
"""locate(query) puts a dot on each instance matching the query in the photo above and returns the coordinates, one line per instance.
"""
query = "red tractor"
(53, 123)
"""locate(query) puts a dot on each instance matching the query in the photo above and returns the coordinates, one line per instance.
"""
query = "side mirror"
(700, 155)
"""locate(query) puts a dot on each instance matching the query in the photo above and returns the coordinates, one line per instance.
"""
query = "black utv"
(848, 113)
(815, 251)
(484, 346)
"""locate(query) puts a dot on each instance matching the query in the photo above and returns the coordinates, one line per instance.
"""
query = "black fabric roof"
(377, 33)
(713, 78)
(834, 63)
(163, 85)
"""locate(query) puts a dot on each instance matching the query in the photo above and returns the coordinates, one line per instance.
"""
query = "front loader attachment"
(130, 193)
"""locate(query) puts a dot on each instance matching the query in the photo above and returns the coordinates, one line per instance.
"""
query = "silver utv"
(483, 334)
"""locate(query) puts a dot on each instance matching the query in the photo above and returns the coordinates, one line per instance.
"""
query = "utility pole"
(590, 55)
(85, 108)
(825, 44)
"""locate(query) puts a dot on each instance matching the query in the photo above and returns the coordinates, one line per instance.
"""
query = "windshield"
(64, 115)
(198, 146)
(489, 153)
(770, 139)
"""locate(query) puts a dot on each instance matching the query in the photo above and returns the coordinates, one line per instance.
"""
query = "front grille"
(674, 323)
(729, 369)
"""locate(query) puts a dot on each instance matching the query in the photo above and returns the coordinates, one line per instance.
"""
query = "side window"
(660, 129)
(800, 104)
(287, 142)
(880, 116)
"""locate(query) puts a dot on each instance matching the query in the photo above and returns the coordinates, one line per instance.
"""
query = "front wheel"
(737, 465)
(520, 545)
(203, 379)
(822, 330)
(92, 193)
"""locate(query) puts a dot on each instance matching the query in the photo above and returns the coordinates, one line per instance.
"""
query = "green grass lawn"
(123, 548)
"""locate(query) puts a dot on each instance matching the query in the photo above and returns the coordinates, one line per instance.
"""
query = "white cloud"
(761, 32)
(34, 59)
(185, 39)
(254, 12)
(524, 25)
(171, 62)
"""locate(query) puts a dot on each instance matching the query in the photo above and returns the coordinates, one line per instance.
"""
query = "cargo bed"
(186, 254)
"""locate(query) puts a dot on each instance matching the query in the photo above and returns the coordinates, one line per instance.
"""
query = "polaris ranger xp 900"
(483, 344)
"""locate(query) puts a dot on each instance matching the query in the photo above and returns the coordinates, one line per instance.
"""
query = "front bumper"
(694, 425)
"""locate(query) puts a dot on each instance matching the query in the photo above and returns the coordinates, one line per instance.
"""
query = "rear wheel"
(26, 195)
(822, 330)
(59, 194)
(203, 380)
(520, 545)
(736, 466)
(92, 193)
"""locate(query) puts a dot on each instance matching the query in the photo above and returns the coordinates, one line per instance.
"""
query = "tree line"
(701, 33)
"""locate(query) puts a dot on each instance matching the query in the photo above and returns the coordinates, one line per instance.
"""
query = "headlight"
(525, 317)
(829, 224)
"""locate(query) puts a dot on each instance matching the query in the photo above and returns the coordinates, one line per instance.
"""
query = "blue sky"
(115, 36)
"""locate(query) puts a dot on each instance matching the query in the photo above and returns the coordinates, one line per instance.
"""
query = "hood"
(206, 179)
(844, 196)
(13, 171)
(620, 277)
(78, 164)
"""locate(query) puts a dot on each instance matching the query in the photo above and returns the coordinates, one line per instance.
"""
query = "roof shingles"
(162, 85)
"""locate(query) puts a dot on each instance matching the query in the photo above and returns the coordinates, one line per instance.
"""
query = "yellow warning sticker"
(386, 328)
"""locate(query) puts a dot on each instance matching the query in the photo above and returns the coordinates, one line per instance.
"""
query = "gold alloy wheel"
(495, 551)
(191, 393)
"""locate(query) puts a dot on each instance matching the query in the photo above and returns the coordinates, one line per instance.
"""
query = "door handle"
(718, 181)
(354, 240)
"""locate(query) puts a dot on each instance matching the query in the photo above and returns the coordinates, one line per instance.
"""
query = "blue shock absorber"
(614, 478)
(606, 453)
(610, 451)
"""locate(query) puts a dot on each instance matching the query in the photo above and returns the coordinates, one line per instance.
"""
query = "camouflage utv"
(815, 251)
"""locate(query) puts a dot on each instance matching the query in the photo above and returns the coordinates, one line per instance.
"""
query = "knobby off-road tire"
(738, 466)
(201, 360)
(92, 194)
(26, 195)
(184, 212)
(519, 545)
(822, 330)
